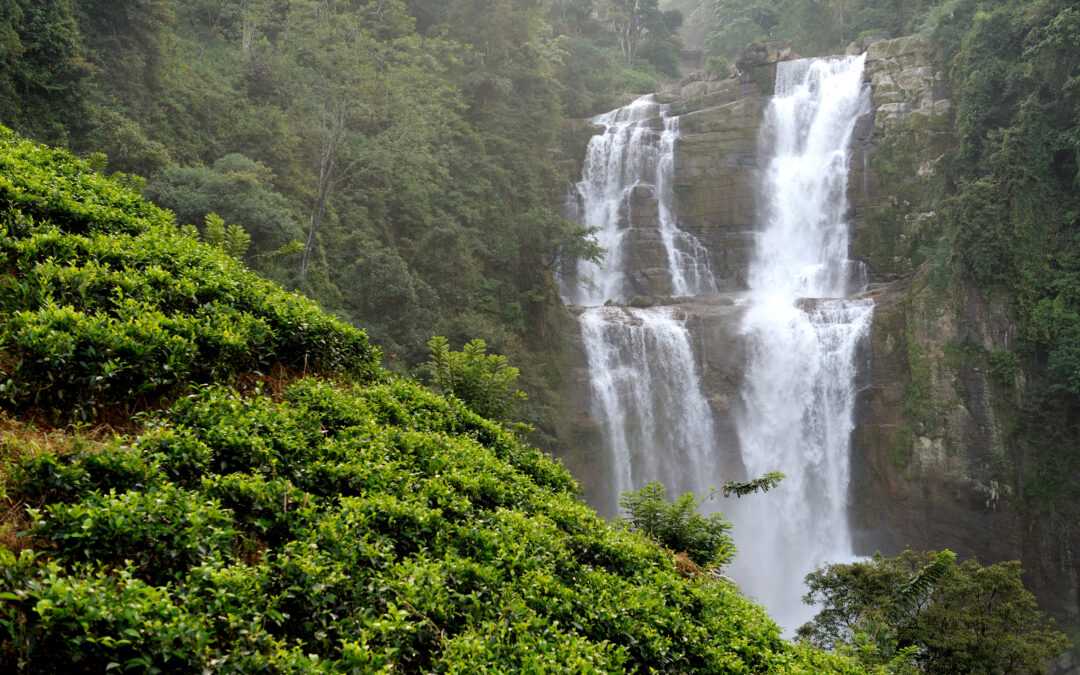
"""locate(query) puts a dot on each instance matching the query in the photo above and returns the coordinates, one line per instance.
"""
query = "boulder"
(757, 64)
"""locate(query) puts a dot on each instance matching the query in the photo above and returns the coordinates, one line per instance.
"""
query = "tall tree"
(944, 617)
(43, 69)
(631, 21)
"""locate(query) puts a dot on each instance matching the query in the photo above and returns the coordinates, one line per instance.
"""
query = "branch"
(763, 484)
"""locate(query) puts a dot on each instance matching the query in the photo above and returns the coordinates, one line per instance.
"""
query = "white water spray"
(799, 392)
(646, 392)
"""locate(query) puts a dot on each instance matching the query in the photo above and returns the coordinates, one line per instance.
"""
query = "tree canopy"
(392, 159)
(928, 612)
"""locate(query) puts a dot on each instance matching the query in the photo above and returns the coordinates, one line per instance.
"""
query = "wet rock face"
(720, 346)
(936, 461)
(896, 155)
(698, 94)
(906, 81)
(646, 256)
(930, 443)
(716, 167)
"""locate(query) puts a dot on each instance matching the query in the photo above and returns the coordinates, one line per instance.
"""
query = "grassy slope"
(275, 501)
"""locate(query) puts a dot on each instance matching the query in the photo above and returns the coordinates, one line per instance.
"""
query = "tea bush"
(105, 302)
(350, 526)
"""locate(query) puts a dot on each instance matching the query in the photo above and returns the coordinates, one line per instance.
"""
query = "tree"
(924, 608)
(231, 238)
(336, 59)
(571, 16)
(238, 188)
(341, 51)
(487, 383)
(678, 526)
(43, 69)
(128, 40)
(632, 20)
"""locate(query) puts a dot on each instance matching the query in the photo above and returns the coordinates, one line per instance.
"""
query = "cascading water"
(799, 392)
(643, 378)
(636, 149)
(646, 392)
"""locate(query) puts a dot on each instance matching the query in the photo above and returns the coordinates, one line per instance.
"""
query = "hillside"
(350, 139)
(247, 490)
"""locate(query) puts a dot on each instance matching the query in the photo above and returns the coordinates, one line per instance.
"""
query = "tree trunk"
(327, 164)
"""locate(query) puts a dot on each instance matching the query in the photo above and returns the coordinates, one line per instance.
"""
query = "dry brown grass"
(273, 383)
(687, 567)
(21, 439)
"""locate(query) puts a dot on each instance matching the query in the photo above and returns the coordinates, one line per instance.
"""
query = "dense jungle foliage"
(272, 499)
(927, 613)
(392, 159)
(1012, 219)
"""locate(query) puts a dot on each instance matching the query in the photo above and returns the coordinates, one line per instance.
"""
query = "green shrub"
(718, 66)
(959, 617)
(50, 185)
(440, 542)
(527, 642)
(1004, 366)
(266, 509)
(678, 525)
(106, 303)
(487, 383)
(162, 531)
(180, 456)
(99, 621)
(635, 80)
(50, 477)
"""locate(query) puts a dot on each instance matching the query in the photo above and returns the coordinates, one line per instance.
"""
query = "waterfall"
(647, 394)
(799, 393)
(801, 327)
(634, 152)
(644, 385)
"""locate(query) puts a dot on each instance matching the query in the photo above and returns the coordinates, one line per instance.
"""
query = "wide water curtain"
(644, 384)
(803, 331)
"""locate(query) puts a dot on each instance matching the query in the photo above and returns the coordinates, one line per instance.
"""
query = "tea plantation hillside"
(272, 500)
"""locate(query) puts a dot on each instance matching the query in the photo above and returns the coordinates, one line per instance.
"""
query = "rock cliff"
(937, 461)
(937, 457)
